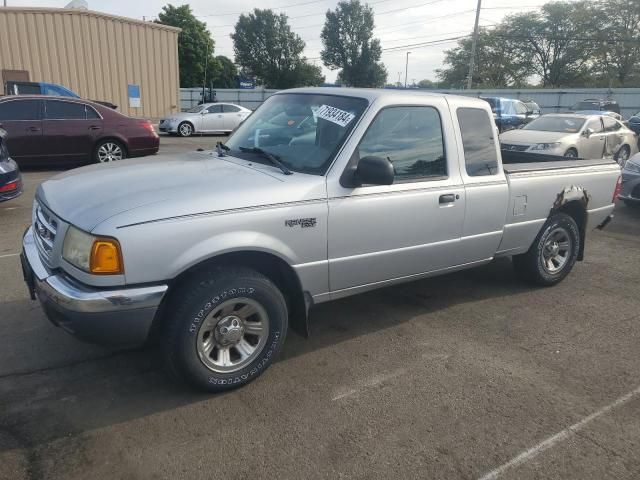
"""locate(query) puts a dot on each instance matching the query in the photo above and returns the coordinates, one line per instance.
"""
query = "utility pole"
(204, 81)
(406, 69)
(474, 44)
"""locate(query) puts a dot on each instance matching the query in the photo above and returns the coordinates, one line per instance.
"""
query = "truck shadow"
(109, 388)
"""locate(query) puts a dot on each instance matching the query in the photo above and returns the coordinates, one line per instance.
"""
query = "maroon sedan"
(47, 130)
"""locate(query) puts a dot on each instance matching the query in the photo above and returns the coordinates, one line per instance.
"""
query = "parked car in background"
(574, 136)
(44, 88)
(51, 130)
(630, 192)
(534, 109)
(508, 113)
(10, 179)
(599, 104)
(205, 118)
(615, 115)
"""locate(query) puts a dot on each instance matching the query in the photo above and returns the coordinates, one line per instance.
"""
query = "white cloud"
(398, 23)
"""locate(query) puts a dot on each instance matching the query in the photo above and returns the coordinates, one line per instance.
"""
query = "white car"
(574, 136)
(205, 118)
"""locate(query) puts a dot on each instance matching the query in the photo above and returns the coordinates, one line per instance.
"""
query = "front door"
(21, 118)
(593, 146)
(67, 132)
(212, 119)
(385, 232)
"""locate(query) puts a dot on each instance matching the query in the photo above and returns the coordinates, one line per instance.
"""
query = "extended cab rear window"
(477, 130)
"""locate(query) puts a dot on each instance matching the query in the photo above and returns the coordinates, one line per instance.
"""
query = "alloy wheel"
(233, 335)
(110, 152)
(556, 250)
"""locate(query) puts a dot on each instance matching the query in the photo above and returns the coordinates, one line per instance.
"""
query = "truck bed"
(525, 162)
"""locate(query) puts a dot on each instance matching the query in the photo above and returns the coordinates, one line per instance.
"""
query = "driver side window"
(411, 139)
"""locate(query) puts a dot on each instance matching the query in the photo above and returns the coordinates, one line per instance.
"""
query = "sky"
(399, 24)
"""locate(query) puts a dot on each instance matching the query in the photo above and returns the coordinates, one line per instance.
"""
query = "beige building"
(131, 63)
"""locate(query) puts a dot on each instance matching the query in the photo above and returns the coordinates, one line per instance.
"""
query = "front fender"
(231, 242)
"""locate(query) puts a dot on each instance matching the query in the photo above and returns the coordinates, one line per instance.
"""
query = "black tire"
(185, 129)
(533, 267)
(103, 147)
(194, 303)
(571, 153)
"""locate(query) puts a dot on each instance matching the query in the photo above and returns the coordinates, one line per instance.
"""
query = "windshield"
(195, 109)
(549, 123)
(303, 131)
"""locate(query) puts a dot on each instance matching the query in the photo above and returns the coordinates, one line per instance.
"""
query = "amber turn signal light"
(106, 257)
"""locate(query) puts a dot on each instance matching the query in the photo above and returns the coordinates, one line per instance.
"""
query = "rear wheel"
(571, 153)
(109, 151)
(623, 155)
(553, 253)
(224, 328)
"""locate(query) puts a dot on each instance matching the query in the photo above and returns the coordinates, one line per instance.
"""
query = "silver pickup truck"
(319, 194)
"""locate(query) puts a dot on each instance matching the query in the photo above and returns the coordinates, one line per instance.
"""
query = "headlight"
(545, 146)
(631, 167)
(92, 254)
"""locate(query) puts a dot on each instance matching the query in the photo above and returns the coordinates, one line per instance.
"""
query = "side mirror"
(587, 132)
(374, 171)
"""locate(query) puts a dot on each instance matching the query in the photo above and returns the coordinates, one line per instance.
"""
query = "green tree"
(266, 47)
(557, 41)
(348, 45)
(308, 75)
(224, 73)
(194, 43)
(426, 83)
(617, 27)
(498, 64)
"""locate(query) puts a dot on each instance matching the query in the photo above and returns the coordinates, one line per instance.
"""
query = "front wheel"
(185, 129)
(553, 253)
(224, 328)
(571, 153)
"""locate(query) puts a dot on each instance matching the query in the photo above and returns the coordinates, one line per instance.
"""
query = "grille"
(513, 148)
(45, 227)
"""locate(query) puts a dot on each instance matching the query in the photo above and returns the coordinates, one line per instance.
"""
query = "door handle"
(33, 129)
(94, 127)
(447, 198)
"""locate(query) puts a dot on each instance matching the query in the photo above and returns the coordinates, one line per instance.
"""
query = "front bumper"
(119, 318)
(168, 127)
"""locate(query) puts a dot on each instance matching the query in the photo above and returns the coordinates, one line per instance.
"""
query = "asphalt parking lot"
(468, 376)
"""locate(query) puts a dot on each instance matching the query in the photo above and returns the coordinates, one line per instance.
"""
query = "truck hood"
(530, 137)
(154, 188)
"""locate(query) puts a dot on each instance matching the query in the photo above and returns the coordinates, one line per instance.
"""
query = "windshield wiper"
(269, 156)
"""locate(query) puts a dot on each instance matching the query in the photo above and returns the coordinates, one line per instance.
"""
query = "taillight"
(147, 125)
(617, 190)
(9, 187)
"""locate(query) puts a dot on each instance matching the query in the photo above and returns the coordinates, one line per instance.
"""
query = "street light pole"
(406, 70)
(474, 44)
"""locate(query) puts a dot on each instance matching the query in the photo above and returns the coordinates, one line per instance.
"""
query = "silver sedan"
(205, 118)
(574, 136)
